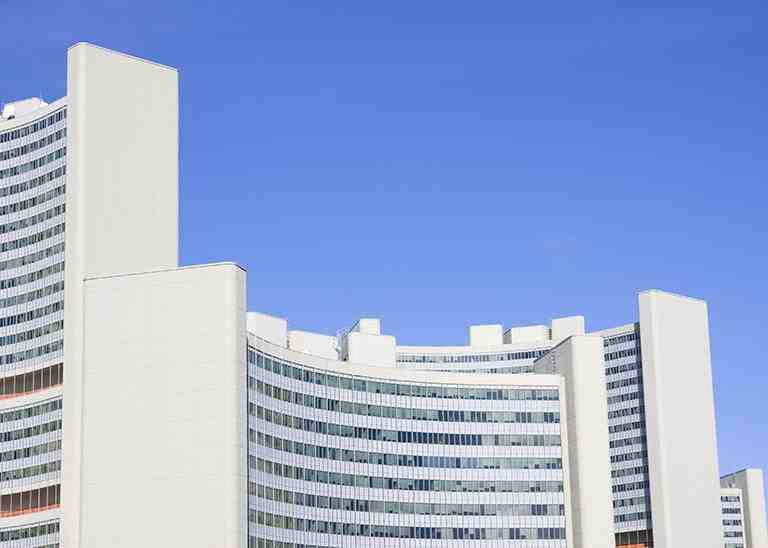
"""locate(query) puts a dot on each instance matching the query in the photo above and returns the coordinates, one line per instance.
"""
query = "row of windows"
(626, 412)
(30, 471)
(492, 370)
(22, 355)
(53, 375)
(57, 116)
(730, 498)
(394, 507)
(620, 354)
(404, 484)
(631, 471)
(32, 314)
(31, 334)
(35, 182)
(626, 427)
(624, 382)
(46, 196)
(26, 501)
(33, 220)
(32, 257)
(30, 411)
(732, 523)
(731, 511)
(23, 150)
(403, 436)
(635, 440)
(616, 369)
(629, 456)
(471, 358)
(624, 397)
(632, 486)
(632, 501)
(255, 542)
(375, 387)
(39, 530)
(417, 461)
(31, 431)
(340, 406)
(31, 277)
(32, 238)
(27, 452)
(32, 295)
(634, 516)
(733, 534)
(33, 164)
(392, 531)
(611, 341)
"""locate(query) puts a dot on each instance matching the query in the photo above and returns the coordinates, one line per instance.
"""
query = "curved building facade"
(344, 456)
(33, 153)
(633, 412)
(372, 453)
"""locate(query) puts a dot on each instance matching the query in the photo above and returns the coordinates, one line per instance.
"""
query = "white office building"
(141, 404)
(743, 509)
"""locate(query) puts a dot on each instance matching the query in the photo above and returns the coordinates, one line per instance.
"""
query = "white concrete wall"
(566, 327)
(530, 333)
(750, 481)
(164, 411)
(21, 108)
(122, 188)
(579, 360)
(122, 206)
(680, 421)
(269, 328)
(313, 343)
(379, 350)
(371, 326)
(486, 335)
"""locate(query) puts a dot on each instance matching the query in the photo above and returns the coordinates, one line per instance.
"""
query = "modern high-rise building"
(143, 405)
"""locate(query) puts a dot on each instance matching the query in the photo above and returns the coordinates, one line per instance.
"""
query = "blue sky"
(438, 164)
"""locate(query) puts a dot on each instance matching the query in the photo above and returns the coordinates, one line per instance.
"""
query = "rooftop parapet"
(23, 107)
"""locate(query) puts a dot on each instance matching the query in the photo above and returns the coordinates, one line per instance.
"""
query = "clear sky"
(437, 164)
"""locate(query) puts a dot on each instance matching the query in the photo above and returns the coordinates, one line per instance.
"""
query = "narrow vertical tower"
(680, 421)
(579, 359)
(155, 354)
(121, 205)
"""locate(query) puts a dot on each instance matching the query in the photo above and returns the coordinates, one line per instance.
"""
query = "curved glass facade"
(33, 169)
(342, 459)
(626, 414)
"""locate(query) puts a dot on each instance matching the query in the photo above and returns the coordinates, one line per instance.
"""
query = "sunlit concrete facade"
(131, 386)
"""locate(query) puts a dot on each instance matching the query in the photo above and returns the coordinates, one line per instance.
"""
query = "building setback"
(133, 387)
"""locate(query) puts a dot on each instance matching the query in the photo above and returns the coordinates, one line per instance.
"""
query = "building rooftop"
(21, 108)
